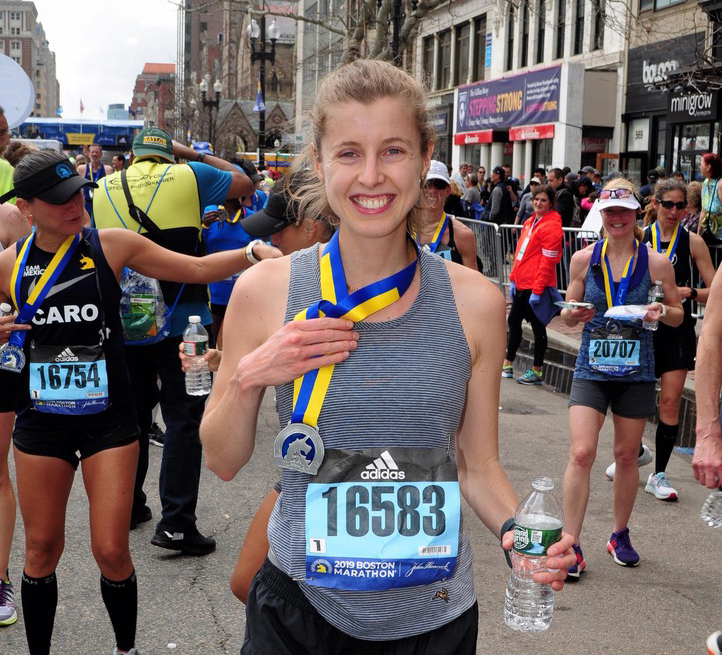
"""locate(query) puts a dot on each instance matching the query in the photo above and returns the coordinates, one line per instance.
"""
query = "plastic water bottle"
(195, 345)
(712, 509)
(656, 294)
(529, 606)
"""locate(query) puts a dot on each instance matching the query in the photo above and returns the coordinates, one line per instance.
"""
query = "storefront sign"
(594, 144)
(638, 134)
(530, 132)
(469, 138)
(649, 66)
(692, 107)
(519, 100)
(441, 119)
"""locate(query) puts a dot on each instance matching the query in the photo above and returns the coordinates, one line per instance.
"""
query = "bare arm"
(258, 352)
(14, 225)
(577, 287)
(660, 268)
(707, 459)
(466, 244)
(703, 262)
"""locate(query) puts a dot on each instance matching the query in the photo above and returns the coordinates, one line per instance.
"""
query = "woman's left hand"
(561, 557)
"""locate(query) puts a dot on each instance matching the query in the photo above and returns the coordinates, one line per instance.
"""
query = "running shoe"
(190, 544)
(530, 377)
(507, 371)
(644, 459)
(132, 651)
(658, 485)
(574, 572)
(620, 547)
(714, 643)
(156, 436)
(142, 516)
(8, 615)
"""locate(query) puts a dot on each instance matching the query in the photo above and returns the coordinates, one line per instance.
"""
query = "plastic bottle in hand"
(529, 606)
(712, 509)
(195, 345)
(656, 294)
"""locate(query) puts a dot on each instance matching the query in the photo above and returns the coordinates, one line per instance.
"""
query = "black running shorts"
(675, 349)
(627, 399)
(76, 445)
(281, 620)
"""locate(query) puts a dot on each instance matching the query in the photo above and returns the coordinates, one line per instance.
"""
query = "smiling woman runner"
(366, 541)
(67, 348)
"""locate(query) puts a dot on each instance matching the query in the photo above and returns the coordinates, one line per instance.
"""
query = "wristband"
(509, 524)
(201, 156)
(693, 293)
(663, 311)
(249, 251)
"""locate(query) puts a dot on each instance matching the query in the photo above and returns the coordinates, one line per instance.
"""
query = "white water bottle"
(656, 294)
(529, 606)
(195, 345)
(5, 309)
(712, 509)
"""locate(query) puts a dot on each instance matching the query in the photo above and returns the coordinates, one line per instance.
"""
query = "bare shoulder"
(659, 263)
(584, 256)
(463, 232)
(81, 170)
(7, 262)
(476, 297)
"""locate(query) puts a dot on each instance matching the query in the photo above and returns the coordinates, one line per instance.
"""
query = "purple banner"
(520, 100)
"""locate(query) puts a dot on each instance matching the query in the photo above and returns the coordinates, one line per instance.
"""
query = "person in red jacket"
(538, 251)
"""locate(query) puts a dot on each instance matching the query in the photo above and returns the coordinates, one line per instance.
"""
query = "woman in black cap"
(75, 389)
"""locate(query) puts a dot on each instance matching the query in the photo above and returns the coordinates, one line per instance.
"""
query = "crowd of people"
(354, 262)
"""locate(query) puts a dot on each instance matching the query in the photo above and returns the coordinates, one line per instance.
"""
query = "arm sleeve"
(213, 184)
(565, 207)
(495, 200)
(551, 244)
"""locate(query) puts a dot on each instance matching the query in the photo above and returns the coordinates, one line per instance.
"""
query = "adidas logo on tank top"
(383, 468)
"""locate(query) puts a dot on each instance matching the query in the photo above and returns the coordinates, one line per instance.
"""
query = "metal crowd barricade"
(697, 281)
(496, 244)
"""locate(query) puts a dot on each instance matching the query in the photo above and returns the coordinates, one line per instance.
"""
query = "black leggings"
(520, 310)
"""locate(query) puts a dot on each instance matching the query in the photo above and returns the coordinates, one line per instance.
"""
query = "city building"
(154, 96)
(23, 39)
(117, 112)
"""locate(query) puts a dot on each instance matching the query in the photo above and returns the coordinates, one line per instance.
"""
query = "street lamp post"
(254, 31)
(210, 105)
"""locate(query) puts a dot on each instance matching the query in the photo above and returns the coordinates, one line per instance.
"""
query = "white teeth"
(372, 203)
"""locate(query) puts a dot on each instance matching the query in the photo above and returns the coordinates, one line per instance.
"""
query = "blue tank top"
(637, 295)
(400, 388)
(220, 236)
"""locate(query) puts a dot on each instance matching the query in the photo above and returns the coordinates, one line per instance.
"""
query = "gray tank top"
(405, 386)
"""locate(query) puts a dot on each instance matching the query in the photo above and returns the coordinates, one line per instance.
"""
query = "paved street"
(668, 605)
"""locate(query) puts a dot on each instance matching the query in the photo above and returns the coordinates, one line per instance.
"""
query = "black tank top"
(682, 264)
(454, 251)
(82, 305)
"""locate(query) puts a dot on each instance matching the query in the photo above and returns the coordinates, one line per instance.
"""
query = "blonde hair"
(694, 194)
(623, 183)
(364, 81)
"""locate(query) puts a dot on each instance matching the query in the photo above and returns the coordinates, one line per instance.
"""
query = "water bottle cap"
(659, 282)
(194, 319)
(5, 308)
(542, 484)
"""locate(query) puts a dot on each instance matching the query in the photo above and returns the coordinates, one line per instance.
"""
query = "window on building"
(37, 105)
(541, 30)
(1, 30)
(561, 28)
(37, 96)
(662, 4)
(510, 39)
(463, 35)
(15, 31)
(16, 60)
(479, 49)
(717, 41)
(443, 80)
(524, 52)
(14, 15)
(598, 17)
(428, 59)
(14, 45)
(646, 4)
(579, 27)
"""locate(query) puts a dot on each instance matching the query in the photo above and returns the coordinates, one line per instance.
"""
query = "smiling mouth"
(377, 202)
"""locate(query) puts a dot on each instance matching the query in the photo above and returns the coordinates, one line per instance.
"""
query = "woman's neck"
(368, 260)
(49, 241)
(620, 246)
(431, 222)
(666, 230)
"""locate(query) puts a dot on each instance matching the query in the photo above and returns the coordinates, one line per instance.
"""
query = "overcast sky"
(101, 46)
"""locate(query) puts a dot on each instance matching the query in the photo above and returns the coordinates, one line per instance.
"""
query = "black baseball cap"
(56, 184)
(277, 214)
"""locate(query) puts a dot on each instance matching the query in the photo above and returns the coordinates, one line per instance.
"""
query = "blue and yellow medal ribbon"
(616, 295)
(310, 390)
(657, 240)
(438, 233)
(44, 284)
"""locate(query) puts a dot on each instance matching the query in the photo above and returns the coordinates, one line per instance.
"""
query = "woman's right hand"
(297, 348)
(212, 356)
(583, 314)
(8, 326)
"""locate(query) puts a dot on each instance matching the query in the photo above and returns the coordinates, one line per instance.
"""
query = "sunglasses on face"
(616, 194)
(439, 185)
(668, 204)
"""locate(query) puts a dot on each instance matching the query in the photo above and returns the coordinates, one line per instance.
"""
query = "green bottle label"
(535, 541)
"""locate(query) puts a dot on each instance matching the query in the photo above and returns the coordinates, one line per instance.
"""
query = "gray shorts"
(627, 399)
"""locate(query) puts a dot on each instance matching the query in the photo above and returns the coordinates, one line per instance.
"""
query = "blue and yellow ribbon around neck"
(44, 284)
(438, 233)
(657, 240)
(616, 295)
(310, 390)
